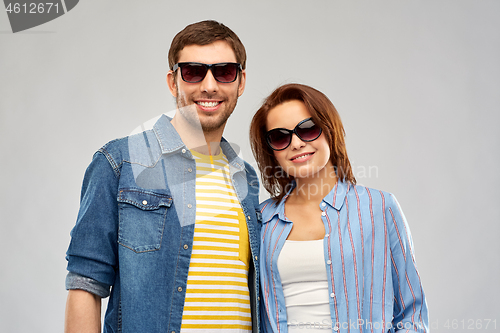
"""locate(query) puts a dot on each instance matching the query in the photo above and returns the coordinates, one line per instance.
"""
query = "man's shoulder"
(114, 146)
(154, 136)
(131, 148)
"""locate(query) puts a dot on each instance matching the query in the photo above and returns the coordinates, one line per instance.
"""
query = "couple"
(171, 230)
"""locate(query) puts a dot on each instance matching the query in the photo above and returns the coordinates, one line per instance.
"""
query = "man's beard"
(211, 123)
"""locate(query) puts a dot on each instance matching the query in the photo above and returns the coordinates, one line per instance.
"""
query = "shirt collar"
(170, 141)
(274, 208)
(335, 199)
(167, 136)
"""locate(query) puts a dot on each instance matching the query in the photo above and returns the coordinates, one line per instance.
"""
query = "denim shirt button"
(249, 218)
(144, 202)
(183, 151)
(256, 258)
(323, 213)
(186, 246)
(190, 170)
(189, 205)
(179, 289)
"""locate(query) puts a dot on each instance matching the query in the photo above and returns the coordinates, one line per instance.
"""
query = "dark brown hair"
(323, 113)
(204, 33)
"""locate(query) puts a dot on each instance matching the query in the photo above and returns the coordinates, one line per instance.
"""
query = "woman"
(335, 256)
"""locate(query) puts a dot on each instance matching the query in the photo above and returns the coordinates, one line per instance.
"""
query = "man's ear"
(172, 83)
(243, 80)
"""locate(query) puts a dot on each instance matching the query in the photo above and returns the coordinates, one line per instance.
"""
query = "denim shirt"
(134, 230)
(373, 282)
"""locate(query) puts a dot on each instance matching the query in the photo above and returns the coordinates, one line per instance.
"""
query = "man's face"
(207, 103)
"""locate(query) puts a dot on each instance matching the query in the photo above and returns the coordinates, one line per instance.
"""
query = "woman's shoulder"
(372, 195)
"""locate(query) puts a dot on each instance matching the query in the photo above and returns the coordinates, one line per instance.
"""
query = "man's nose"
(209, 84)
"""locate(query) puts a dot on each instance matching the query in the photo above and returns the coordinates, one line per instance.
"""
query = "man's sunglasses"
(193, 72)
(280, 138)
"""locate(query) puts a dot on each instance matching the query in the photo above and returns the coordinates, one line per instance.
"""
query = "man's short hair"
(204, 33)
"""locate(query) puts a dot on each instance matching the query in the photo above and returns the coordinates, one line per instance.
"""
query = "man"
(167, 225)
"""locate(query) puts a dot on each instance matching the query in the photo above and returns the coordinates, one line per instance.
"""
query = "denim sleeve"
(75, 281)
(410, 308)
(93, 249)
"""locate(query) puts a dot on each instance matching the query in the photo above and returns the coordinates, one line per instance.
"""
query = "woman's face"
(300, 159)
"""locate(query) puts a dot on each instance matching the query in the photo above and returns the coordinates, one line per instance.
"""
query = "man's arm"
(92, 253)
(83, 312)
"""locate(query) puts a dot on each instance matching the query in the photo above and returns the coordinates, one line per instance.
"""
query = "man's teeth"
(302, 157)
(208, 104)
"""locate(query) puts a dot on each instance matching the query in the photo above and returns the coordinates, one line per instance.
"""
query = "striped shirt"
(217, 294)
(373, 283)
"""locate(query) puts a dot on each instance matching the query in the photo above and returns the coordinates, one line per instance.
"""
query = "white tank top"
(302, 269)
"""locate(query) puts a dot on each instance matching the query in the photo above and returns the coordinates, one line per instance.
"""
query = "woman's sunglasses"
(193, 72)
(280, 138)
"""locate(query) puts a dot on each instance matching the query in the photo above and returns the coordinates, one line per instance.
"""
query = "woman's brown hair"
(323, 113)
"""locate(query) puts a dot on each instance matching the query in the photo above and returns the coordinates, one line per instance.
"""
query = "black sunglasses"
(280, 138)
(193, 72)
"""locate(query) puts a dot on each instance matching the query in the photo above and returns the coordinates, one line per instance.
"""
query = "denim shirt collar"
(170, 141)
(167, 136)
(335, 199)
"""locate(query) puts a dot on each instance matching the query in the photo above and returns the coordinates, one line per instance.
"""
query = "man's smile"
(209, 104)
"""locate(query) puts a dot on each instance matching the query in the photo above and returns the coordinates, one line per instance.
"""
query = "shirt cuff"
(77, 281)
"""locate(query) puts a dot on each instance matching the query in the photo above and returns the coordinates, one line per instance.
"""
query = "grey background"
(416, 82)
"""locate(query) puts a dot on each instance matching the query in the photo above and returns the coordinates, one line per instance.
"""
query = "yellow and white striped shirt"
(217, 294)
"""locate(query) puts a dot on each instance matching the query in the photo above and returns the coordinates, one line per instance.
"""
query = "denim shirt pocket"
(142, 216)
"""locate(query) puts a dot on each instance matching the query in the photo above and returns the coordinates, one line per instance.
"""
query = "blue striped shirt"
(373, 281)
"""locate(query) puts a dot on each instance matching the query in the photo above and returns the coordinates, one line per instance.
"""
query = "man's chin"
(212, 126)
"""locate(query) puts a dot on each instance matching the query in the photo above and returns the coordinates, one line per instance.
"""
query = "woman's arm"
(410, 310)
